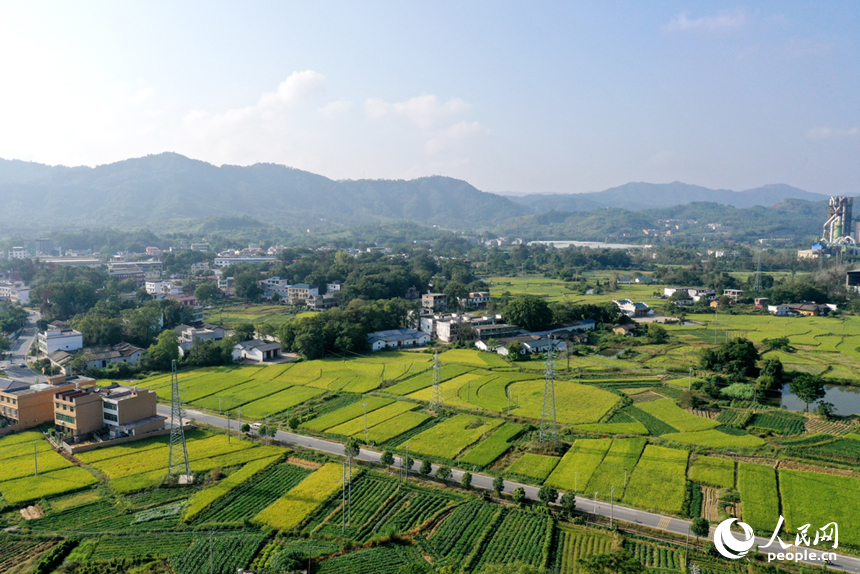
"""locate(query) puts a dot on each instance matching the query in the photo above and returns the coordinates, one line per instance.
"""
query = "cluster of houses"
(79, 407)
(15, 291)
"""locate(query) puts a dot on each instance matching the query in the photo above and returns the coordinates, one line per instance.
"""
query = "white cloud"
(724, 20)
(141, 95)
(423, 111)
(297, 89)
(445, 138)
(823, 133)
(336, 108)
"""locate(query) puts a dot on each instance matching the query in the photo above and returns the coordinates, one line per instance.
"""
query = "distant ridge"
(640, 196)
(169, 191)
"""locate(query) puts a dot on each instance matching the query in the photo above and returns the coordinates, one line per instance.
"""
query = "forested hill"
(795, 220)
(168, 189)
(641, 196)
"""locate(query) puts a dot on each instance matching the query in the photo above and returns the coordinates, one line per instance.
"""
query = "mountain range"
(170, 191)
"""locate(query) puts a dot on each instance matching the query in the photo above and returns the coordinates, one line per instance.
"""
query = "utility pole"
(228, 427)
(611, 505)
(36, 456)
(690, 384)
(239, 423)
(625, 478)
(219, 405)
(365, 422)
(407, 460)
(595, 504)
(267, 429)
(757, 287)
(343, 501)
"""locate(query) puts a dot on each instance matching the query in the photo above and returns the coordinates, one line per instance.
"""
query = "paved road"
(632, 515)
(18, 354)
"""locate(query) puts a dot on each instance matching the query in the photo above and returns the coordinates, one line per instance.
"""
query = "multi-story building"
(123, 410)
(476, 299)
(631, 309)
(27, 406)
(130, 410)
(301, 292)
(228, 261)
(18, 253)
(434, 301)
(15, 291)
(59, 337)
(201, 247)
(159, 289)
(188, 336)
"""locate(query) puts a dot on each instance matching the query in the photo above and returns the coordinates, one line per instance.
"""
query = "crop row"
(388, 559)
(297, 504)
(145, 545)
(206, 497)
(393, 428)
(358, 424)
(655, 556)
(520, 537)
(670, 413)
(778, 421)
(219, 553)
(456, 536)
(406, 513)
(46, 484)
(368, 496)
(248, 498)
(654, 425)
(573, 545)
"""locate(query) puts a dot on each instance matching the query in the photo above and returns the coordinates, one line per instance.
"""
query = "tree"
(498, 485)
(165, 350)
(245, 427)
(247, 285)
(519, 495)
(700, 527)
(741, 391)
(426, 467)
(516, 351)
(293, 423)
(736, 357)
(408, 462)
(615, 562)
(808, 388)
(206, 292)
(5, 345)
(263, 430)
(466, 481)
(443, 473)
(656, 334)
(772, 374)
(528, 312)
(547, 494)
(352, 447)
(387, 458)
(244, 332)
(825, 409)
(568, 504)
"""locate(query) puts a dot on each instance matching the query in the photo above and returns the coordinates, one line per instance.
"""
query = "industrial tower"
(838, 227)
(436, 396)
(548, 424)
(177, 462)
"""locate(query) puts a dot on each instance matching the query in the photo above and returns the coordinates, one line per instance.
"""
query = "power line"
(436, 396)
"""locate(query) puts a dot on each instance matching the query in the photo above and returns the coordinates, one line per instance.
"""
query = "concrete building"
(733, 294)
(301, 292)
(188, 335)
(15, 291)
(397, 339)
(202, 246)
(499, 330)
(257, 351)
(26, 406)
(18, 253)
(130, 411)
(475, 300)
(434, 301)
(59, 337)
(97, 357)
(852, 280)
(123, 410)
(160, 289)
(779, 310)
(531, 344)
(631, 309)
(228, 261)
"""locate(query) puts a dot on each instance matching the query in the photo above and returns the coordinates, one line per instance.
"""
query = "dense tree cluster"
(737, 357)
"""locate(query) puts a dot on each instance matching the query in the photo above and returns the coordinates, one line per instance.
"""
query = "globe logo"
(728, 545)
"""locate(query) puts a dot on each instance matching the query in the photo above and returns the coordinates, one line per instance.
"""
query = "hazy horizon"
(514, 99)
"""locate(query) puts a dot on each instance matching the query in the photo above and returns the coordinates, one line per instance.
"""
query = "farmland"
(759, 496)
(658, 481)
(619, 461)
(493, 447)
(714, 438)
(575, 544)
(448, 438)
(667, 411)
(577, 466)
(537, 466)
(520, 537)
(290, 510)
(713, 471)
(819, 499)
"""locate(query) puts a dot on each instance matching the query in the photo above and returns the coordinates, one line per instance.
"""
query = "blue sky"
(510, 96)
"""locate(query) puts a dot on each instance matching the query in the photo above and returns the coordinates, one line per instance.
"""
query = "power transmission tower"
(177, 461)
(548, 423)
(757, 287)
(436, 396)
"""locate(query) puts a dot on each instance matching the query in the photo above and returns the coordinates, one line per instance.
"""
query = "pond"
(846, 399)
